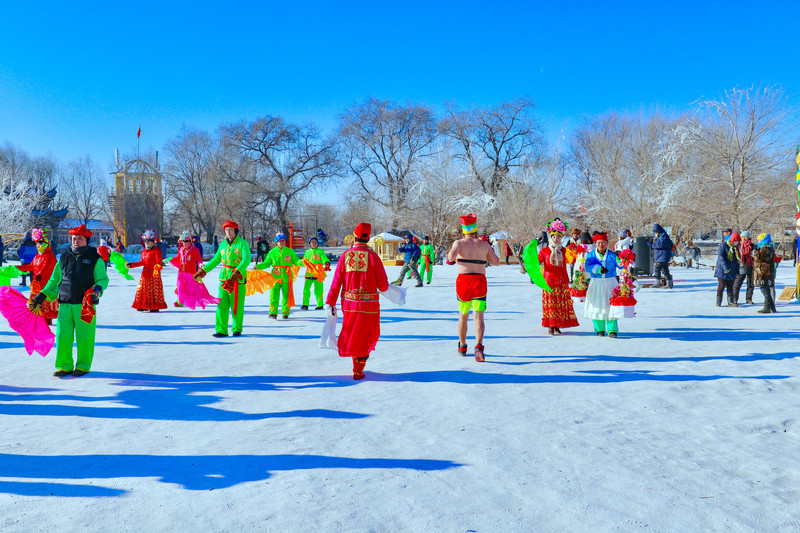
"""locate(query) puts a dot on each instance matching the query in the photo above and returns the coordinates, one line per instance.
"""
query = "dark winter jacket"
(77, 274)
(764, 266)
(27, 251)
(726, 268)
(411, 252)
(197, 244)
(662, 245)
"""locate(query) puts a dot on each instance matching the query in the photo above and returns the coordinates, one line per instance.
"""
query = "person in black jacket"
(78, 281)
(662, 254)
(262, 247)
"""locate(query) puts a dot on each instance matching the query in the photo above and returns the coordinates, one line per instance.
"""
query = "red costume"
(42, 268)
(150, 293)
(557, 311)
(359, 277)
(188, 259)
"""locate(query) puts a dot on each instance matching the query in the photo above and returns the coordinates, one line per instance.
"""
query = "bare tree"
(741, 142)
(495, 140)
(18, 193)
(83, 188)
(195, 180)
(383, 143)
(288, 161)
(627, 173)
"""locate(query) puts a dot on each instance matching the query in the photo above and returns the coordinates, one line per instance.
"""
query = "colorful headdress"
(600, 236)
(230, 224)
(557, 227)
(185, 236)
(38, 235)
(363, 231)
(280, 237)
(149, 235)
(469, 224)
(81, 230)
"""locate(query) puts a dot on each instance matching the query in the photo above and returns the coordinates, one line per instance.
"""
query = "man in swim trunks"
(472, 256)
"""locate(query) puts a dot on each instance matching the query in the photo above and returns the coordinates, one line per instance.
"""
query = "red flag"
(139, 133)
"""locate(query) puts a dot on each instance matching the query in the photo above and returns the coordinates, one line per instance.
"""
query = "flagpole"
(797, 227)
(138, 140)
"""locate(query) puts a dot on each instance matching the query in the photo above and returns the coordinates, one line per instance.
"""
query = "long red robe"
(42, 268)
(150, 292)
(359, 277)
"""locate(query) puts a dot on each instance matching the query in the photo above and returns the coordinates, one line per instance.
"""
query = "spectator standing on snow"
(764, 267)
(27, 252)
(727, 268)
(745, 269)
(411, 254)
(662, 254)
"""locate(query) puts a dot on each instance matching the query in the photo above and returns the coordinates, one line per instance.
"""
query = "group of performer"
(67, 289)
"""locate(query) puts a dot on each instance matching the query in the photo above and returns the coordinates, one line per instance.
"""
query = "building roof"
(387, 237)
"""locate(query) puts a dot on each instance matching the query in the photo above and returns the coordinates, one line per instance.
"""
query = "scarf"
(746, 250)
(556, 257)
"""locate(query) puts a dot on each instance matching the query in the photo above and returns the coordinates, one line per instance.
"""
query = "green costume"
(69, 326)
(281, 260)
(317, 256)
(427, 251)
(234, 256)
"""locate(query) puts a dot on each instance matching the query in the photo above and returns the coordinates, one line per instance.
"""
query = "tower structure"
(138, 200)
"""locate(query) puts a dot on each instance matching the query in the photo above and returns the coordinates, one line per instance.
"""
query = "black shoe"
(285, 317)
(155, 310)
(764, 310)
(304, 307)
(749, 302)
(274, 317)
(318, 308)
(237, 333)
(418, 285)
(613, 334)
(62, 373)
(78, 372)
(601, 333)
(428, 283)
(218, 335)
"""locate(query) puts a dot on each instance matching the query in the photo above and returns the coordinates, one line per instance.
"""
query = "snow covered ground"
(687, 422)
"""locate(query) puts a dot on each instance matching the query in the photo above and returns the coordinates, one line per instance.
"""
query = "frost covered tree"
(741, 144)
(627, 171)
(22, 181)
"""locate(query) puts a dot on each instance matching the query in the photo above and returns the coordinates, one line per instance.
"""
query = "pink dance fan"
(32, 328)
(193, 294)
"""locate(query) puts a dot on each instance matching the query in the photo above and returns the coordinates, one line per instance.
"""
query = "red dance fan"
(32, 328)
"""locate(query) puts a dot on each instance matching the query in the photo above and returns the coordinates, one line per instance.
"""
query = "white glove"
(331, 309)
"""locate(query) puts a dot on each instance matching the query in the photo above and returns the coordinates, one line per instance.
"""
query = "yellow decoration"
(379, 240)
(350, 239)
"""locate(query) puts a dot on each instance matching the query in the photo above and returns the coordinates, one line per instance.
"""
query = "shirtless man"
(472, 255)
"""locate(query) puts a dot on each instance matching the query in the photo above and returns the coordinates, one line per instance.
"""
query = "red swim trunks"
(471, 287)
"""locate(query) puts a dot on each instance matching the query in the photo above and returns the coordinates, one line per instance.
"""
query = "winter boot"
(479, 356)
(719, 301)
(669, 282)
(657, 283)
(358, 367)
(304, 307)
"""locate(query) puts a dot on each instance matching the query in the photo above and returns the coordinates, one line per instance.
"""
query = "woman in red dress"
(42, 268)
(150, 293)
(188, 259)
(557, 311)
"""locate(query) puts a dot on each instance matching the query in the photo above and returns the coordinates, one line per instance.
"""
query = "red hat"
(363, 231)
(230, 224)
(734, 237)
(600, 236)
(81, 230)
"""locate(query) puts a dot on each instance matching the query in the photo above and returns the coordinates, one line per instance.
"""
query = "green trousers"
(274, 297)
(609, 326)
(70, 328)
(225, 306)
(423, 269)
(317, 291)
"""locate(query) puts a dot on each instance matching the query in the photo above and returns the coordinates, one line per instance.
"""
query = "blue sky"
(79, 77)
